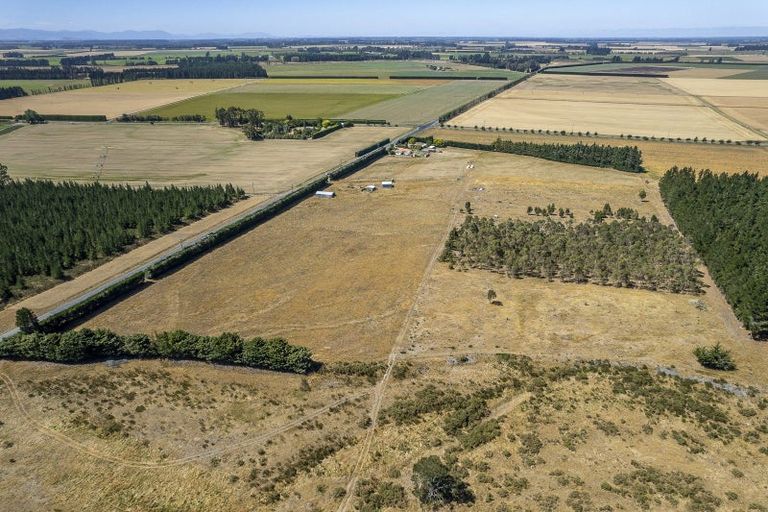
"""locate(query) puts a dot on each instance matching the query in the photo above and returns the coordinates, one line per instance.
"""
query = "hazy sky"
(383, 17)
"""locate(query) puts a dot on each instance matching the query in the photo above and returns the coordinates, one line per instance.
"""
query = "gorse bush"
(636, 253)
(725, 218)
(87, 345)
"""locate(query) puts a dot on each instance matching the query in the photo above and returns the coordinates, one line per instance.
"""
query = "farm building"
(388, 184)
(369, 188)
(325, 194)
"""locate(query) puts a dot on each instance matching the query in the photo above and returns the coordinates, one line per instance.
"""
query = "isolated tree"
(26, 321)
(642, 195)
(468, 207)
(32, 117)
(435, 485)
(491, 295)
(5, 179)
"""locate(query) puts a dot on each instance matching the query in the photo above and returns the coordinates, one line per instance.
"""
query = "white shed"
(388, 184)
(370, 188)
(326, 194)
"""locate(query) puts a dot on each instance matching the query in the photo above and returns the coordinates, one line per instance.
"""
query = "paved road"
(140, 269)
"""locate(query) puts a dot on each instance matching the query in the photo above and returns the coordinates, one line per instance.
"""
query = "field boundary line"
(82, 448)
(378, 396)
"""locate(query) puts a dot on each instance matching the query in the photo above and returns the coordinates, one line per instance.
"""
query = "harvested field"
(426, 104)
(336, 275)
(114, 100)
(658, 156)
(299, 98)
(715, 87)
(177, 154)
(41, 85)
(610, 105)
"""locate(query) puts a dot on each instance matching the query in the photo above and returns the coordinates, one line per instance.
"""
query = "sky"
(287, 18)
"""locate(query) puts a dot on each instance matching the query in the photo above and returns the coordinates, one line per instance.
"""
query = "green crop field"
(273, 104)
(41, 85)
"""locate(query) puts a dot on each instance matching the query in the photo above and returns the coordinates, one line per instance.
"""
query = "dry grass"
(607, 105)
(657, 156)
(588, 435)
(114, 100)
(158, 414)
(335, 275)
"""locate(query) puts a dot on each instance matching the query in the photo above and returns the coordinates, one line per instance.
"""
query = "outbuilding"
(388, 184)
(325, 194)
(369, 188)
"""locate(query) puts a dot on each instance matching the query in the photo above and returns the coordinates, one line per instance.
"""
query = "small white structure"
(369, 188)
(325, 194)
(388, 184)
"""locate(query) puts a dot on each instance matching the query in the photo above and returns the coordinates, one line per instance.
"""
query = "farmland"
(41, 86)
(385, 69)
(580, 104)
(489, 332)
(166, 154)
(299, 98)
(402, 102)
(113, 100)
(426, 104)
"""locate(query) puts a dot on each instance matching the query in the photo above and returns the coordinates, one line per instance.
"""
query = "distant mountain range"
(28, 34)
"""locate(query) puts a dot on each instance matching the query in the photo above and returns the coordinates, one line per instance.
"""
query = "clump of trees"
(628, 253)
(725, 218)
(49, 227)
(622, 158)
(256, 127)
(715, 357)
(12, 92)
(88, 345)
(548, 210)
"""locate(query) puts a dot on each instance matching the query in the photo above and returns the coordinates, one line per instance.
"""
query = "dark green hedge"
(78, 118)
(622, 158)
(370, 148)
(327, 131)
(88, 345)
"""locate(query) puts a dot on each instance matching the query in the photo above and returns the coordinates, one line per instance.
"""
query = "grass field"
(607, 105)
(384, 69)
(114, 100)
(426, 104)
(299, 98)
(658, 156)
(41, 85)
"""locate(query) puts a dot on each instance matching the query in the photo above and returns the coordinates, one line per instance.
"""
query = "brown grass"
(335, 275)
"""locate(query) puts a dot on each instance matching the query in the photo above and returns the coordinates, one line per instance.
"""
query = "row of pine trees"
(726, 218)
(48, 227)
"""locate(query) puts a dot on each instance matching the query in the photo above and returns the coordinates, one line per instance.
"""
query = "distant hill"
(27, 34)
